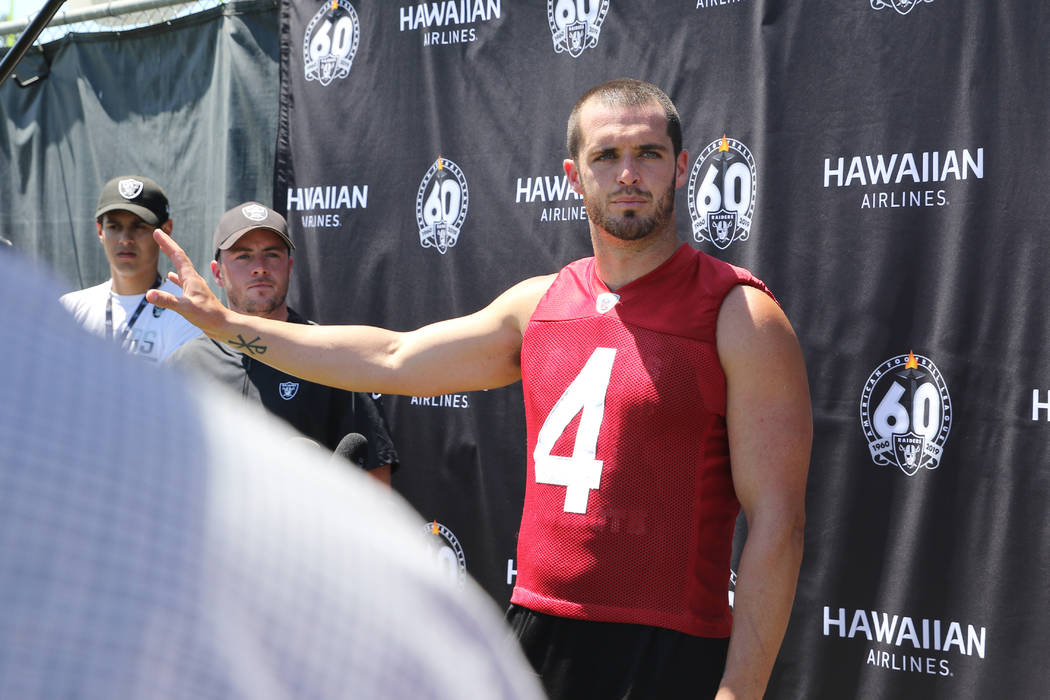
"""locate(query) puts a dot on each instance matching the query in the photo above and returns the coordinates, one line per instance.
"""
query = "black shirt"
(322, 413)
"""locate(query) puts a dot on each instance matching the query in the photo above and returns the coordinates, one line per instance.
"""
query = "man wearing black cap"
(253, 263)
(129, 209)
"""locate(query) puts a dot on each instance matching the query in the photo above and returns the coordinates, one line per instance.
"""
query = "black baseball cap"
(140, 195)
(248, 217)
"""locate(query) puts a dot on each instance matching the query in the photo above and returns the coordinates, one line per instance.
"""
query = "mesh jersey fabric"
(130, 570)
(646, 446)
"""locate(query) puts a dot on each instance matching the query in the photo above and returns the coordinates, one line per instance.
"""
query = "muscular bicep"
(768, 412)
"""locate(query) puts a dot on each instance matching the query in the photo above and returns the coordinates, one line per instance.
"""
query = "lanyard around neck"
(134, 316)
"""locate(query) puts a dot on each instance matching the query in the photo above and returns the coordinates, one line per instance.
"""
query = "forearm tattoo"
(252, 347)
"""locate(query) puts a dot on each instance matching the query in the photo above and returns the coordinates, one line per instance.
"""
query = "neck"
(278, 314)
(621, 262)
(138, 283)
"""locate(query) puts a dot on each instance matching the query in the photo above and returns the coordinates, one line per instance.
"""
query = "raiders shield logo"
(254, 212)
(288, 389)
(721, 225)
(129, 188)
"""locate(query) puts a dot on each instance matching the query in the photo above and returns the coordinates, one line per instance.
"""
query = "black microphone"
(353, 448)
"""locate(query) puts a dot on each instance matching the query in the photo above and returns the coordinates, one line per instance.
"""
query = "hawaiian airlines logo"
(446, 553)
(722, 188)
(912, 179)
(330, 43)
(322, 206)
(448, 21)
(901, 6)
(129, 188)
(707, 4)
(576, 24)
(553, 195)
(902, 643)
(912, 413)
(441, 205)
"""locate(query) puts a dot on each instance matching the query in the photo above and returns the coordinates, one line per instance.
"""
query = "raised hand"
(198, 304)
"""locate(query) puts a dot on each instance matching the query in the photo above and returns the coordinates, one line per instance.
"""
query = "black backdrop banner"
(879, 163)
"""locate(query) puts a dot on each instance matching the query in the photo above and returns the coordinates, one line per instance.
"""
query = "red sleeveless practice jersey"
(629, 503)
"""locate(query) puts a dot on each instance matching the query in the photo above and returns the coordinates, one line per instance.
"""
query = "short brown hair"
(625, 92)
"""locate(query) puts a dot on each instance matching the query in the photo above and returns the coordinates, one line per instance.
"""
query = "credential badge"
(901, 6)
(446, 552)
(129, 188)
(441, 205)
(288, 389)
(576, 24)
(722, 189)
(254, 212)
(906, 413)
(330, 42)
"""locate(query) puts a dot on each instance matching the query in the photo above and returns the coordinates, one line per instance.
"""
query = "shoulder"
(200, 350)
(516, 305)
(88, 295)
(752, 329)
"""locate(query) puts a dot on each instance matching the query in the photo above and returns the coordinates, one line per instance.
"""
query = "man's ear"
(216, 271)
(681, 168)
(573, 174)
(167, 226)
(98, 227)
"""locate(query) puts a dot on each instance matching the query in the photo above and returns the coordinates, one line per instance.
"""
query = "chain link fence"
(85, 16)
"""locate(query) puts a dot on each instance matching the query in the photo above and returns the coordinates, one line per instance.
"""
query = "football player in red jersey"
(693, 402)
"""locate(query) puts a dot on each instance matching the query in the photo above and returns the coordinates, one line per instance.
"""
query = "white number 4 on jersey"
(581, 472)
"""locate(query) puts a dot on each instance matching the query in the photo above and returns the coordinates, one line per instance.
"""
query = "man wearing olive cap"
(253, 263)
(129, 209)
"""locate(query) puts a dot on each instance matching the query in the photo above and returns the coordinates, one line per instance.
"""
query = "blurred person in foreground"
(129, 571)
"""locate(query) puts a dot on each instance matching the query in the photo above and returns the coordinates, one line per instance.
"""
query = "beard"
(630, 226)
(256, 306)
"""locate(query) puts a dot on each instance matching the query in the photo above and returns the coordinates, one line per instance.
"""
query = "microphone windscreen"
(353, 448)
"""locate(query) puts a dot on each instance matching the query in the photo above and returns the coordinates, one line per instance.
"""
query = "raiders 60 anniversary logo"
(906, 413)
(446, 553)
(576, 24)
(441, 205)
(330, 42)
(722, 191)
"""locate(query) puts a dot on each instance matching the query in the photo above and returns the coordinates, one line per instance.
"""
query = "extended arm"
(770, 428)
(478, 351)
